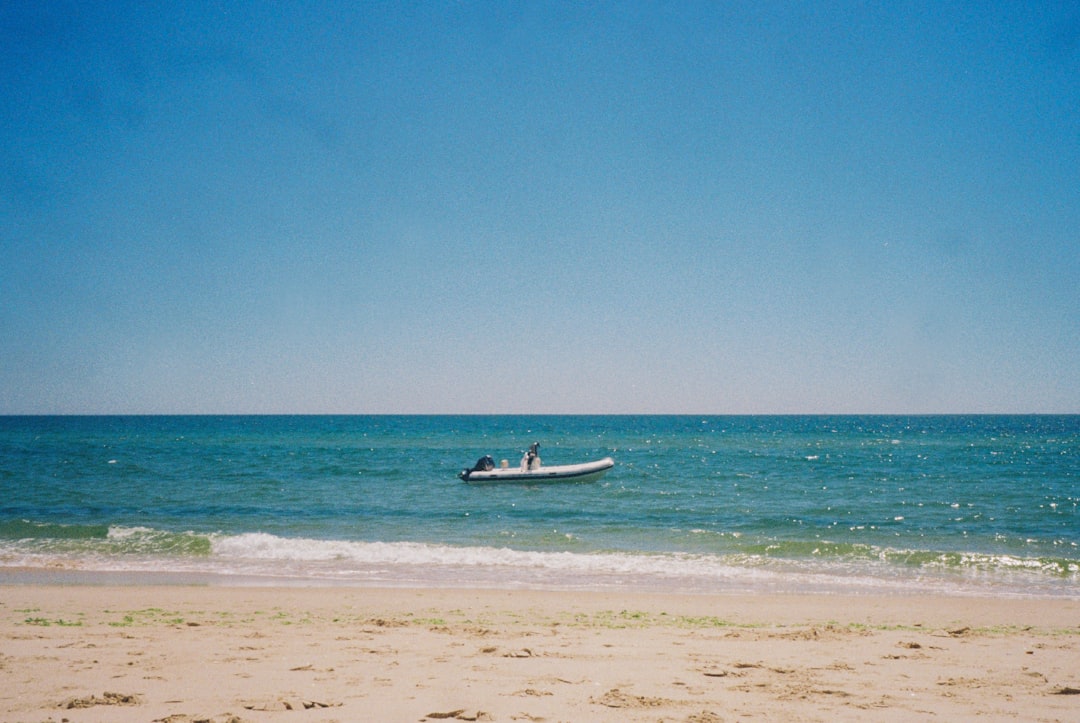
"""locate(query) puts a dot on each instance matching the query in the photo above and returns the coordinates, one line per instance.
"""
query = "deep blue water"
(964, 504)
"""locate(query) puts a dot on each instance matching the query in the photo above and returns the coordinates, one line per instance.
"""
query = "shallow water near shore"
(877, 504)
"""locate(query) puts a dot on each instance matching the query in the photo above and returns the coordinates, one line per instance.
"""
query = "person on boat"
(531, 460)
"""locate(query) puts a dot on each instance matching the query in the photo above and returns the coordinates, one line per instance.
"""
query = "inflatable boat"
(531, 471)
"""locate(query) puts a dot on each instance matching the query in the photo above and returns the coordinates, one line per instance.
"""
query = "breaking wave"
(756, 567)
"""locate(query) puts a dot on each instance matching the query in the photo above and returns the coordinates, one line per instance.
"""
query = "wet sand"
(211, 653)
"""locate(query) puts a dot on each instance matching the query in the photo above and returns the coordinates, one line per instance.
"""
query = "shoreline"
(436, 578)
(241, 653)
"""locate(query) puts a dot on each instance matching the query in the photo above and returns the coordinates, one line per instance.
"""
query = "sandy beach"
(204, 653)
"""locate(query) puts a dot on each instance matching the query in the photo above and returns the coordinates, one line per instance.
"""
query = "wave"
(911, 559)
(797, 565)
(98, 540)
(27, 530)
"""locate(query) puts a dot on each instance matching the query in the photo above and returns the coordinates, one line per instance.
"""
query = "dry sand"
(177, 653)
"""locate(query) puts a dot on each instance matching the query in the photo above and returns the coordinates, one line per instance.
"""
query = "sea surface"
(895, 505)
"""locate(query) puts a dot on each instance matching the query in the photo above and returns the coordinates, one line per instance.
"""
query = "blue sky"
(217, 207)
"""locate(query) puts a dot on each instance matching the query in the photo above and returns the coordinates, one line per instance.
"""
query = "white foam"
(263, 556)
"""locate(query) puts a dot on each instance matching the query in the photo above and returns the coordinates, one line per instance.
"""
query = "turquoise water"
(884, 504)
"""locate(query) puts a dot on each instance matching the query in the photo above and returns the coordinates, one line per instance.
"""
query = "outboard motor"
(484, 464)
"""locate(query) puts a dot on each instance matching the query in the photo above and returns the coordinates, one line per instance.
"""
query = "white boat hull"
(585, 472)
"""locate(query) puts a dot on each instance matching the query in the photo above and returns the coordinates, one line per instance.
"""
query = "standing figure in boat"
(531, 460)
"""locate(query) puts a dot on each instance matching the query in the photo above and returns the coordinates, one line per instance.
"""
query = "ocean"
(892, 505)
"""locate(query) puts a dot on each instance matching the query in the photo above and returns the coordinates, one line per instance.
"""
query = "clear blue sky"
(538, 207)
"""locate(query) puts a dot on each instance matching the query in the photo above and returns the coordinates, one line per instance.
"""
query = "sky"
(539, 207)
